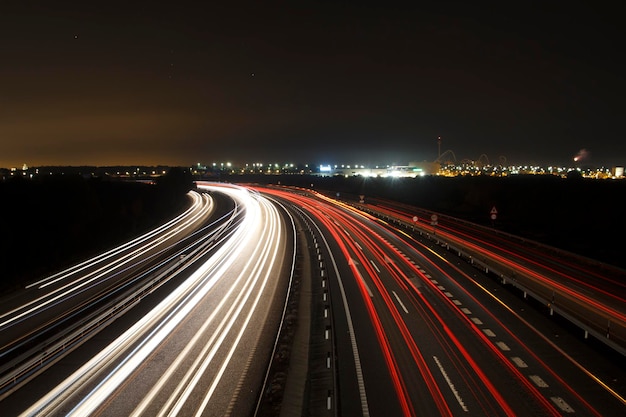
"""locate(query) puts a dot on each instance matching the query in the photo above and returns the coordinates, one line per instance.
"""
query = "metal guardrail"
(603, 327)
(38, 358)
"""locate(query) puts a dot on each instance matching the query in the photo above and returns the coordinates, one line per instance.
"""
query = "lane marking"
(457, 302)
(477, 321)
(448, 294)
(400, 302)
(560, 402)
(489, 333)
(364, 283)
(503, 346)
(538, 381)
(375, 267)
(450, 384)
(519, 362)
(466, 310)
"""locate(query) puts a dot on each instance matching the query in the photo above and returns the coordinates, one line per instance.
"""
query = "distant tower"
(438, 147)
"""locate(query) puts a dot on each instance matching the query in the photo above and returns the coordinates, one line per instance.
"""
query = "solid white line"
(375, 267)
(355, 349)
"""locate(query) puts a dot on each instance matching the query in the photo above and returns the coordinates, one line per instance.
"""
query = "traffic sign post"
(433, 222)
(493, 215)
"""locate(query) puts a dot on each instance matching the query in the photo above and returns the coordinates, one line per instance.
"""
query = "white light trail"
(256, 239)
(182, 223)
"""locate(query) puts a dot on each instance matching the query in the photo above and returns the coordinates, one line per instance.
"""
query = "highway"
(590, 294)
(419, 331)
(198, 310)
(395, 319)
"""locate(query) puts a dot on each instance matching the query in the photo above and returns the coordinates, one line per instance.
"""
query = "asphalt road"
(397, 324)
(199, 344)
(419, 331)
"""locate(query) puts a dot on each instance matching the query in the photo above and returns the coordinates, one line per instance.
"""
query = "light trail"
(310, 212)
(252, 272)
(513, 336)
(341, 227)
(348, 231)
(172, 230)
(353, 343)
(488, 247)
(481, 334)
(115, 251)
(375, 246)
(122, 360)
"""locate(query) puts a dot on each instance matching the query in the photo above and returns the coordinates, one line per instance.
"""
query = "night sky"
(318, 82)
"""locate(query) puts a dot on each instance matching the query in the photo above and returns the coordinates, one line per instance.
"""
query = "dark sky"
(300, 81)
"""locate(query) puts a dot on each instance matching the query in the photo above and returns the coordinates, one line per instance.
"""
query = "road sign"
(493, 210)
(433, 217)
(415, 219)
(493, 217)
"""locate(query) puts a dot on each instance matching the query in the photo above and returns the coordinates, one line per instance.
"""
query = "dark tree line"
(53, 221)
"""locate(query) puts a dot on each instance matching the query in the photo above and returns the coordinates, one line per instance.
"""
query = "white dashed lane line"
(503, 346)
(519, 362)
(560, 402)
(400, 302)
(489, 332)
(536, 379)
